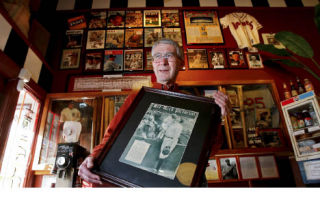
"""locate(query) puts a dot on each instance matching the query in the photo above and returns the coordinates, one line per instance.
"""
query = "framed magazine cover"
(151, 35)
(94, 61)
(142, 153)
(70, 58)
(173, 34)
(133, 60)
(202, 27)
(170, 18)
(114, 38)
(236, 58)
(73, 38)
(217, 59)
(151, 18)
(97, 19)
(113, 60)
(134, 38)
(95, 39)
(116, 19)
(133, 19)
(197, 58)
(254, 60)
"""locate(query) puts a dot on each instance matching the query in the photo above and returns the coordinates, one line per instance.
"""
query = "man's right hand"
(85, 171)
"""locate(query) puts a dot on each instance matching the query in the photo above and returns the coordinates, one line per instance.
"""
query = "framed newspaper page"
(197, 58)
(152, 18)
(202, 27)
(248, 167)
(163, 140)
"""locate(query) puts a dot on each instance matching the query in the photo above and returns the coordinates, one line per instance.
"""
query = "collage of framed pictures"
(241, 167)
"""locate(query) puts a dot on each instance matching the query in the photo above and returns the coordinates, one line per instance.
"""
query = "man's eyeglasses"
(171, 57)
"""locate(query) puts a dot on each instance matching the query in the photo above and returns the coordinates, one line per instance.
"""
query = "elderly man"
(167, 60)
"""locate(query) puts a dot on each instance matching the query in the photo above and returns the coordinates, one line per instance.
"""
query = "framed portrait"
(248, 167)
(133, 60)
(66, 118)
(73, 38)
(229, 168)
(197, 58)
(173, 34)
(263, 118)
(268, 38)
(115, 38)
(134, 38)
(97, 19)
(163, 141)
(170, 18)
(271, 137)
(116, 19)
(254, 60)
(113, 60)
(202, 27)
(133, 19)
(95, 39)
(268, 166)
(151, 35)
(217, 59)
(212, 171)
(152, 18)
(94, 61)
(148, 60)
(236, 59)
(70, 58)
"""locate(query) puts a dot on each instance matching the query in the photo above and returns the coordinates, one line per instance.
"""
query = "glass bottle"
(308, 85)
(307, 118)
(300, 120)
(294, 121)
(313, 115)
(300, 86)
(286, 91)
(294, 91)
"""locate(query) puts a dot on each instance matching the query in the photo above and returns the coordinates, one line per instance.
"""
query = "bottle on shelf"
(307, 118)
(313, 115)
(300, 86)
(308, 85)
(294, 91)
(294, 121)
(300, 118)
(286, 93)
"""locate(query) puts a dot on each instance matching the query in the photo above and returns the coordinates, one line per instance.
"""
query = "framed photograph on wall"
(116, 19)
(70, 58)
(173, 34)
(217, 59)
(152, 18)
(254, 60)
(113, 60)
(151, 35)
(248, 167)
(134, 38)
(133, 19)
(153, 156)
(170, 18)
(97, 19)
(212, 171)
(94, 61)
(74, 38)
(148, 61)
(115, 38)
(197, 58)
(95, 39)
(202, 27)
(268, 166)
(268, 38)
(236, 58)
(229, 168)
(133, 60)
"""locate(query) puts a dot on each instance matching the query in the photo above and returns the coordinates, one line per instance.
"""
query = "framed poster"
(197, 58)
(116, 19)
(94, 61)
(170, 18)
(115, 38)
(248, 167)
(152, 18)
(113, 60)
(162, 142)
(148, 60)
(236, 58)
(95, 39)
(133, 60)
(217, 59)
(151, 35)
(97, 19)
(229, 168)
(202, 27)
(134, 38)
(254, 60)
(173, 34)
(70, 58)
(133, 19)
(268, 166)
(212, 171)
(74, 38)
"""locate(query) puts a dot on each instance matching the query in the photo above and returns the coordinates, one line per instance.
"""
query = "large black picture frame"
(185, 164)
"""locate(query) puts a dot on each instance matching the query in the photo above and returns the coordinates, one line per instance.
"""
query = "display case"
(302, 116)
